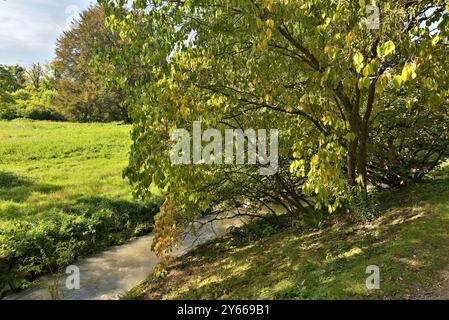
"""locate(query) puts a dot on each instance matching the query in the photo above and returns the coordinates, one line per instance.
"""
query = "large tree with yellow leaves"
(316, 70)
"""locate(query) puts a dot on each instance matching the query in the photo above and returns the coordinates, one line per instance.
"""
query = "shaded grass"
(408, 241)
(62, 194)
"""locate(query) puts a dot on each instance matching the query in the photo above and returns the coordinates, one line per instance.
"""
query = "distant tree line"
(71, 86)
(28, 93)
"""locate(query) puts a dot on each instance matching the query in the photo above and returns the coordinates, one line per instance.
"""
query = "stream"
(109, 274)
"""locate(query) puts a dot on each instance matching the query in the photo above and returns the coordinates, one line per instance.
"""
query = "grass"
(407, 241)
(62, 194)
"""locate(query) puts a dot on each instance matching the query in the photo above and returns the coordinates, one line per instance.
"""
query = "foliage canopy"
(312, 69)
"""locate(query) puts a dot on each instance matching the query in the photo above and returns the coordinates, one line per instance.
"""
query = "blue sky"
(29, 28)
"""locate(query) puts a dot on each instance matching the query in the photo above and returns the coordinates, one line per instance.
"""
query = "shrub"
(407, 143)
(22, 94)
(49, 244)
(40, 112)
(9, 112)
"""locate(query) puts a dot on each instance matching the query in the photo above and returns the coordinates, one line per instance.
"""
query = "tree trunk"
(357, 160)
(351, 162)
(362, 159)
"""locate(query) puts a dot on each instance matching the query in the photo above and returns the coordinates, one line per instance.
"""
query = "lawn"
(408, 241)
(62, 195)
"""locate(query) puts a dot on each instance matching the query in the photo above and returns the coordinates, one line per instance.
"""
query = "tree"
(35, 74)
(314, 68)
(82, 95)
(12, 78)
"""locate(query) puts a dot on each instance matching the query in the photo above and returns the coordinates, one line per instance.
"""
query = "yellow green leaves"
(348, 38)
(325, 24)
(315, 159)
(382, 83)
(268, 4)
(216, 101)
(371, 68)
(270, 23)
(368, 70)
(430, 83)
(357, 60)
(351, 136)
(397, 82)
(364, 83)
(330, 51)
(218, 12)
(298, 167)
(435, 40)
(408, 72)
(324, 175)
(433, 100)
(263, 45)
(266, 32)
(386, 49)
(411, 102)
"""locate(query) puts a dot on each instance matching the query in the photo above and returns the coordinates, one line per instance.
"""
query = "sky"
(29, 28)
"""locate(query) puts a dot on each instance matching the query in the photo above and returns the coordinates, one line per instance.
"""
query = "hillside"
(407, 241)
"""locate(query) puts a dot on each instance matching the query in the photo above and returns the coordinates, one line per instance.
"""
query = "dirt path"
(438, 291)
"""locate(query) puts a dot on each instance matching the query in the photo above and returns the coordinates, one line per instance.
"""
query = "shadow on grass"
(408, 243)
(18, 189)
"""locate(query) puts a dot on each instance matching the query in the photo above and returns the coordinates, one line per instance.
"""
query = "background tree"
(35, 74)
(82, 95)
(12, 78)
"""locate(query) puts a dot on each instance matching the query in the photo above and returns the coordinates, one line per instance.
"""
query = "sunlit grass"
(408, 241)
(62, 162)
(63, 182)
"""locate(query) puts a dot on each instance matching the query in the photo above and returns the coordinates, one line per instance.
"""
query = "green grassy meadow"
(408, 241)
(62, 194)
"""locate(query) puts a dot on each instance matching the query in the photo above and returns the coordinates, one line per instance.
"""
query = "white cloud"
(31, 29)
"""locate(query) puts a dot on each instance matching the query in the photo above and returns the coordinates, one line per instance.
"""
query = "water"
(111, 273)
